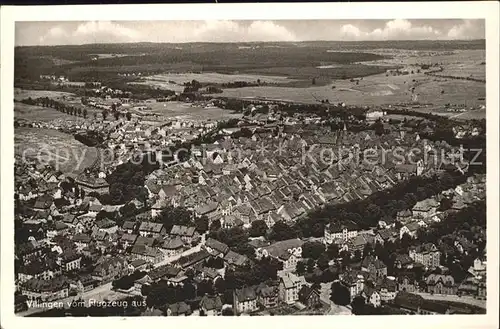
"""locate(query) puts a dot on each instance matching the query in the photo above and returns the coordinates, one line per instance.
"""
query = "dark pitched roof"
(217, 245)
(151, 227)
(245, 294)
(165, 271)
(305, 292)
(181, 230)
(234, 258)
(372, 260)
(211, 303)
(128, 225)
(179, 308)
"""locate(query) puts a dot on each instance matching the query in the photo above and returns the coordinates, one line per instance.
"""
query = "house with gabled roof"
(289, 287)
(425, 208)
(154, 230)
(267, 294)
(340, 231)
(233, 259)
(149, 254)
(244, 300)
(426, 254)
(410, 229)
(374, 266)
(211, 305)
(188, 234)
(441, 284)
(172, 246)
(216, 248)
(287, 251)
(128, 239)
(128, 226)
(371, 295)
(385, 235)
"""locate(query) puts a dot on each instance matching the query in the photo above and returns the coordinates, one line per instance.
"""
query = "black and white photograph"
(235, 166)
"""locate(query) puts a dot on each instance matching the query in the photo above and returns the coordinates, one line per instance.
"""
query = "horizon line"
(249, 42)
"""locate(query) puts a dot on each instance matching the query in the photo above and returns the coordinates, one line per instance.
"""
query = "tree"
(333, 251)
(358, 305)
(340, 294)
(312, 249)
(367, 250)
(85, 113)
(171, 216)
(310, 265)
(300, 267)
(281, 231)
(215, 226)
(258, 228)
(201, 224)
(323, 262)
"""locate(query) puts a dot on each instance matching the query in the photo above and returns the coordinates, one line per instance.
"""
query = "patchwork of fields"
(179, 110)
(377, 90)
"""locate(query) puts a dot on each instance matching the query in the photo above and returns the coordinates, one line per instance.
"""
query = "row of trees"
(59, 106)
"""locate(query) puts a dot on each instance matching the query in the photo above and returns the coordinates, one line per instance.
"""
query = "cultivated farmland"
(52, 146)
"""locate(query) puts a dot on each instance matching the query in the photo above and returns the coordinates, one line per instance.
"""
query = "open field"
(20, 94)
(181, 78)
(376, 90)
(52, 146)
(181, 110)
(40, 114)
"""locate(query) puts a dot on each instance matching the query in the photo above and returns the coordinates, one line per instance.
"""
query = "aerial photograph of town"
(231, 168)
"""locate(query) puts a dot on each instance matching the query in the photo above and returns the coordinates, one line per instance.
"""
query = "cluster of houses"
(232, 181)
(235, 181)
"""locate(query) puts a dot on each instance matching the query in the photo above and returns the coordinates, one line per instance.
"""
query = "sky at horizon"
(75, 33)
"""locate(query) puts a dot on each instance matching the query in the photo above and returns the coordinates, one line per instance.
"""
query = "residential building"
(244, 300)
(178, 309)
(374, 266)
(410, 229)
(426, 254)
(211, 305)
(354, 281)
(46, 290)
(289, 287)
(188, 234)
(151, 229)
(149, 254)
(111, 268)
(342, 232)
(172, 246)
(441, 284)
(309, 297)
(286, 251)
(387, 288)
(267, 295)
(425, 208)
(371, 296)
(216, 248)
